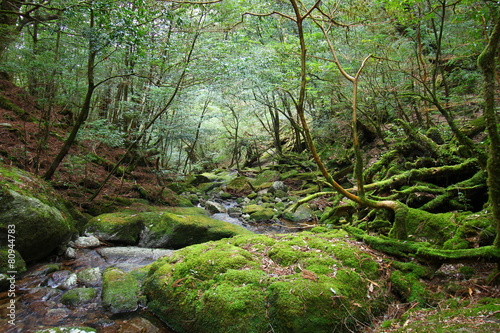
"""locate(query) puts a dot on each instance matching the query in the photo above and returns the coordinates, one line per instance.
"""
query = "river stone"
(69, 283)
(303, 213)
(78, 296)
(120, 291)
(303, 282)
(278, 186)
(249, 209)
(87, 242)
(37, 217)
(90, 277)
(214, 207)
(70, 253)
(129, 258)
(265, 214)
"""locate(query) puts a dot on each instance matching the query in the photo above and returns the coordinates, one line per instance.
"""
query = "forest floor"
(22, 145)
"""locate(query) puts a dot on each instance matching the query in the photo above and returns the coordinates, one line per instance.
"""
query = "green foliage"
(102, 131)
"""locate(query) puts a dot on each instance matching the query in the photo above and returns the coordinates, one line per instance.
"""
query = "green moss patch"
(305, 282)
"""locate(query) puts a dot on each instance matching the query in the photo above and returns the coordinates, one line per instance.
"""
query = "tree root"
(423, 252)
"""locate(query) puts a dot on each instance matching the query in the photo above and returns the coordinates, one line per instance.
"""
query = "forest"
(320, 146)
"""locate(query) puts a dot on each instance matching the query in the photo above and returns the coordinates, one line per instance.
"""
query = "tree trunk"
(84, 112)
(486, 63)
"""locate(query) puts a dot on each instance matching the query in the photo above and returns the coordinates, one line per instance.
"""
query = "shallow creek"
(39, 292)
(40, 289)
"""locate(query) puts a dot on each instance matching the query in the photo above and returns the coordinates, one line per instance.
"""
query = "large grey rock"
(33, 214)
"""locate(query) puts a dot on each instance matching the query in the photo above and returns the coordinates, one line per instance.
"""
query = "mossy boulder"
(239, 186)
(121, 227)
(264, 214)
(34, 214)
(121, 292)
(78, 296)
(169, 228)
(303, 213)
(288, 283)
(249, 209)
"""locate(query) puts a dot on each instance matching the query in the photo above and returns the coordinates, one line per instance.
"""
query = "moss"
(120, 291)
(455, 315)
(418, 225)
(266, 176)
(265, 214)
(410, 287)
(8, 105)
(296, 282)
(239, 186)
(78, 296)
(12, 257)
(116, 227)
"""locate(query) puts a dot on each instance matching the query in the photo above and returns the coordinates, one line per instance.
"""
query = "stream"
(40, 289)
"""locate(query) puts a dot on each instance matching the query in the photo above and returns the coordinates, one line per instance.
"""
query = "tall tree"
(487, 63)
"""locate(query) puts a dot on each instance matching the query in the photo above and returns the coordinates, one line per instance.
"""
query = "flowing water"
(39, 291)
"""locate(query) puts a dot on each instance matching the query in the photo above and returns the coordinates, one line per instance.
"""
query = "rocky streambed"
(68, 292)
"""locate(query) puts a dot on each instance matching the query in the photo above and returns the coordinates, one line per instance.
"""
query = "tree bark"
(487, 64)
(84, 112)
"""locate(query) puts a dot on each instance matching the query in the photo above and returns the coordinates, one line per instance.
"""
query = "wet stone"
(87, 242)
(90, 277)
(57, 278)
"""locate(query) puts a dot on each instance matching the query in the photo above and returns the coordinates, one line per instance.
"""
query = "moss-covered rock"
(121, 292)
(34, 214)
(239, 186)
(252, 208)
(122, 227)
(264, 214)
(78, 296)
(309, 282)
(303, 213)
(169, 228)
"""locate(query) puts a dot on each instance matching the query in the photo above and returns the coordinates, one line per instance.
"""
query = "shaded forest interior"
(381, 115)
